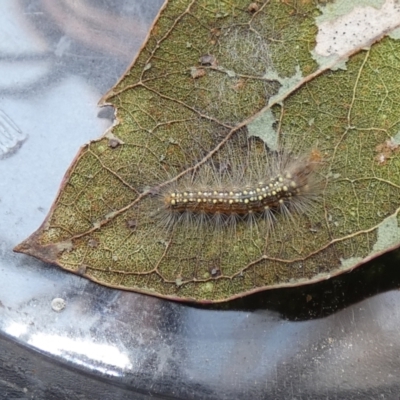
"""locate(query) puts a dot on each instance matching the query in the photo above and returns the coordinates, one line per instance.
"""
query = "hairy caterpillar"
(243, 187)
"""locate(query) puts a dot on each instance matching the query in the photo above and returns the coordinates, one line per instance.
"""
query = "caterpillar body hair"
(259, 187)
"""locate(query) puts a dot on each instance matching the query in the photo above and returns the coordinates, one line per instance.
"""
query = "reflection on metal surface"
(11, 137)
(83, 352)
(15, 329)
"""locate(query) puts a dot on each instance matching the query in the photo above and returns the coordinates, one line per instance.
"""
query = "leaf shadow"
(324, 298)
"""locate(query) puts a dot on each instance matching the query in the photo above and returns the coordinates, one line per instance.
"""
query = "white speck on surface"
(357, 29)
(58, 304)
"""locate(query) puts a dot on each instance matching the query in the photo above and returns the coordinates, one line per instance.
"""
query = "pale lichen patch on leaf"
(262, 127)
(345, 26)
(388, 234)
(287, 83)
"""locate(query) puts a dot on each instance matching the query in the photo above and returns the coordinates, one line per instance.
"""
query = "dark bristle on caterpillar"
(262, 186)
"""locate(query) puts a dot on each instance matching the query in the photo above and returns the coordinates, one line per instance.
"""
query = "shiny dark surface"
(338, 339)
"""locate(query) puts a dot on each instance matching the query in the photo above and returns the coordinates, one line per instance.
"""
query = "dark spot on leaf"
(131, 224)
(113, 143)
(81, 270)
(253, 7)
(106, 112)
(93, 243)
(208, 60)
(215, 272)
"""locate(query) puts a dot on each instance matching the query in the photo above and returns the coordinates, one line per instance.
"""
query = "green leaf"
(211, 72)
